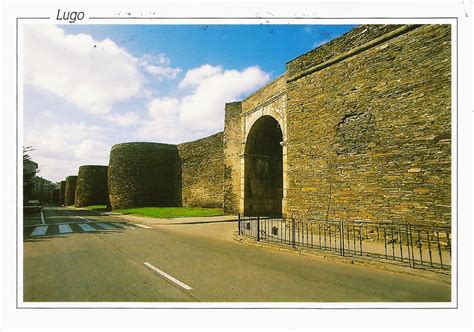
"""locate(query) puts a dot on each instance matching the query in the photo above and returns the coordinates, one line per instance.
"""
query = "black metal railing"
(418, 246)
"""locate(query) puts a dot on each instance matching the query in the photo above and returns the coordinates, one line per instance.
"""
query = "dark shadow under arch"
(263, 169)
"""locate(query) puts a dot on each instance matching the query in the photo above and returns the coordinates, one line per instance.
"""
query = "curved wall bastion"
(91, 188)
(70, 190)
(143, 174)
(155, 174)
(62, 191)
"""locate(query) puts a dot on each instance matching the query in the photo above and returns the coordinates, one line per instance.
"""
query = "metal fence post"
(293, 234)
(258, 228)
(411, 245)
(342, 237)
(238, 225)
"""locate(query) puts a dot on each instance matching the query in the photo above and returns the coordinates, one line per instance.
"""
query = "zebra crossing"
(83, 227)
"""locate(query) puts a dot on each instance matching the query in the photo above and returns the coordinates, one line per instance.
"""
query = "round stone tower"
(144, 174)
(91, 186)
(70, 190)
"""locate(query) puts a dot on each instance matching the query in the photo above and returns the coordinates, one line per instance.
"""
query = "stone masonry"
(366, 124)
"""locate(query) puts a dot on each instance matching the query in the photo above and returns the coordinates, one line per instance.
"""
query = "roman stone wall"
(91, 188)
(232, 146)
(201, 165)
(54, 196)
(369, 133)
(143, 174)
(351, 41)
(269, 101)
(70, 190)
(62, 190)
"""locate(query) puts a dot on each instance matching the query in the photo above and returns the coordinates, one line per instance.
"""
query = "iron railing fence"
(418, 246)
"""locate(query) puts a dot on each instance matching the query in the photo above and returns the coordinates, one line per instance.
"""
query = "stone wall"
(369, 135)
(91, 188)
(62, 190)
(232, 146)
(54, 196)
(366, 122)
(202, 172)
(70, 190)
(143, 174)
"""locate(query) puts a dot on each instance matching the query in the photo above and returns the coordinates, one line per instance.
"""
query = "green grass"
(172, 212)
(97, 207)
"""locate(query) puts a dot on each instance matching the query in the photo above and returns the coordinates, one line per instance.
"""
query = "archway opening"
(263, 169)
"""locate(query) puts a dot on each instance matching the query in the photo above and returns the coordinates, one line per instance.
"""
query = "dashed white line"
(167, 276)
(42, 217)
(39, 230)
(88, 220)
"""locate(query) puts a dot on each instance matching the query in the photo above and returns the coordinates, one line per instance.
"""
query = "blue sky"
(87, 87)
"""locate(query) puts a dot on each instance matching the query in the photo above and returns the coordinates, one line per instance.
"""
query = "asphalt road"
(107, 264)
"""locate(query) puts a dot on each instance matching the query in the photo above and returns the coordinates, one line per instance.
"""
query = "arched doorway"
(263, 169)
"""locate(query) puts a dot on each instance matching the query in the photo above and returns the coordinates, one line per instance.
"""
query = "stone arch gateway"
(263, 168)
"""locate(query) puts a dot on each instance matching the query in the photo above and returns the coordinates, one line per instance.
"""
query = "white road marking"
(84, 219)
(42, 217)
(64, 229)
(142, 226)
(126, 226)
(105, 226)
(167, 276)
(119, 226)
(40, 230)
(87, 228)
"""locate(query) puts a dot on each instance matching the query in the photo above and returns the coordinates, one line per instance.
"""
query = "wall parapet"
(304, 65)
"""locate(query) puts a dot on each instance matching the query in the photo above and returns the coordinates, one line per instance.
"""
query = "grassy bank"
(97, 207)
(172, 212)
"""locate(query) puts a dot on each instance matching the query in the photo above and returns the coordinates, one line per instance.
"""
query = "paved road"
(109, 265)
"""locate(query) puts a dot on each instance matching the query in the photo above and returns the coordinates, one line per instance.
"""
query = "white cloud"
(61, 148)
(93, 75)
(90, 149)
(159, 66)
(194, 77)
(123, 120)
(200, 111)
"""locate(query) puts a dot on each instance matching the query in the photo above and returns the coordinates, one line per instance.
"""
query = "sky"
(88, 87)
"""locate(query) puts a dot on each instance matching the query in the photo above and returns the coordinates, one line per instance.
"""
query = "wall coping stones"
(295, 73)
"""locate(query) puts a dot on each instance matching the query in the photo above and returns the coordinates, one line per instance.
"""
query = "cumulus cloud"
(200, 109)
(195, 77)
(62, 148)
(159, 66)
(92, 75)
(123, 120)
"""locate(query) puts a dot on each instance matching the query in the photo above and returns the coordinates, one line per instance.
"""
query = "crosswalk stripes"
(63, 229)
(105, 226)
(127, 226)
(87, 228)
(70, 228)
(143, 226)
(117, 225)
(39, 231)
